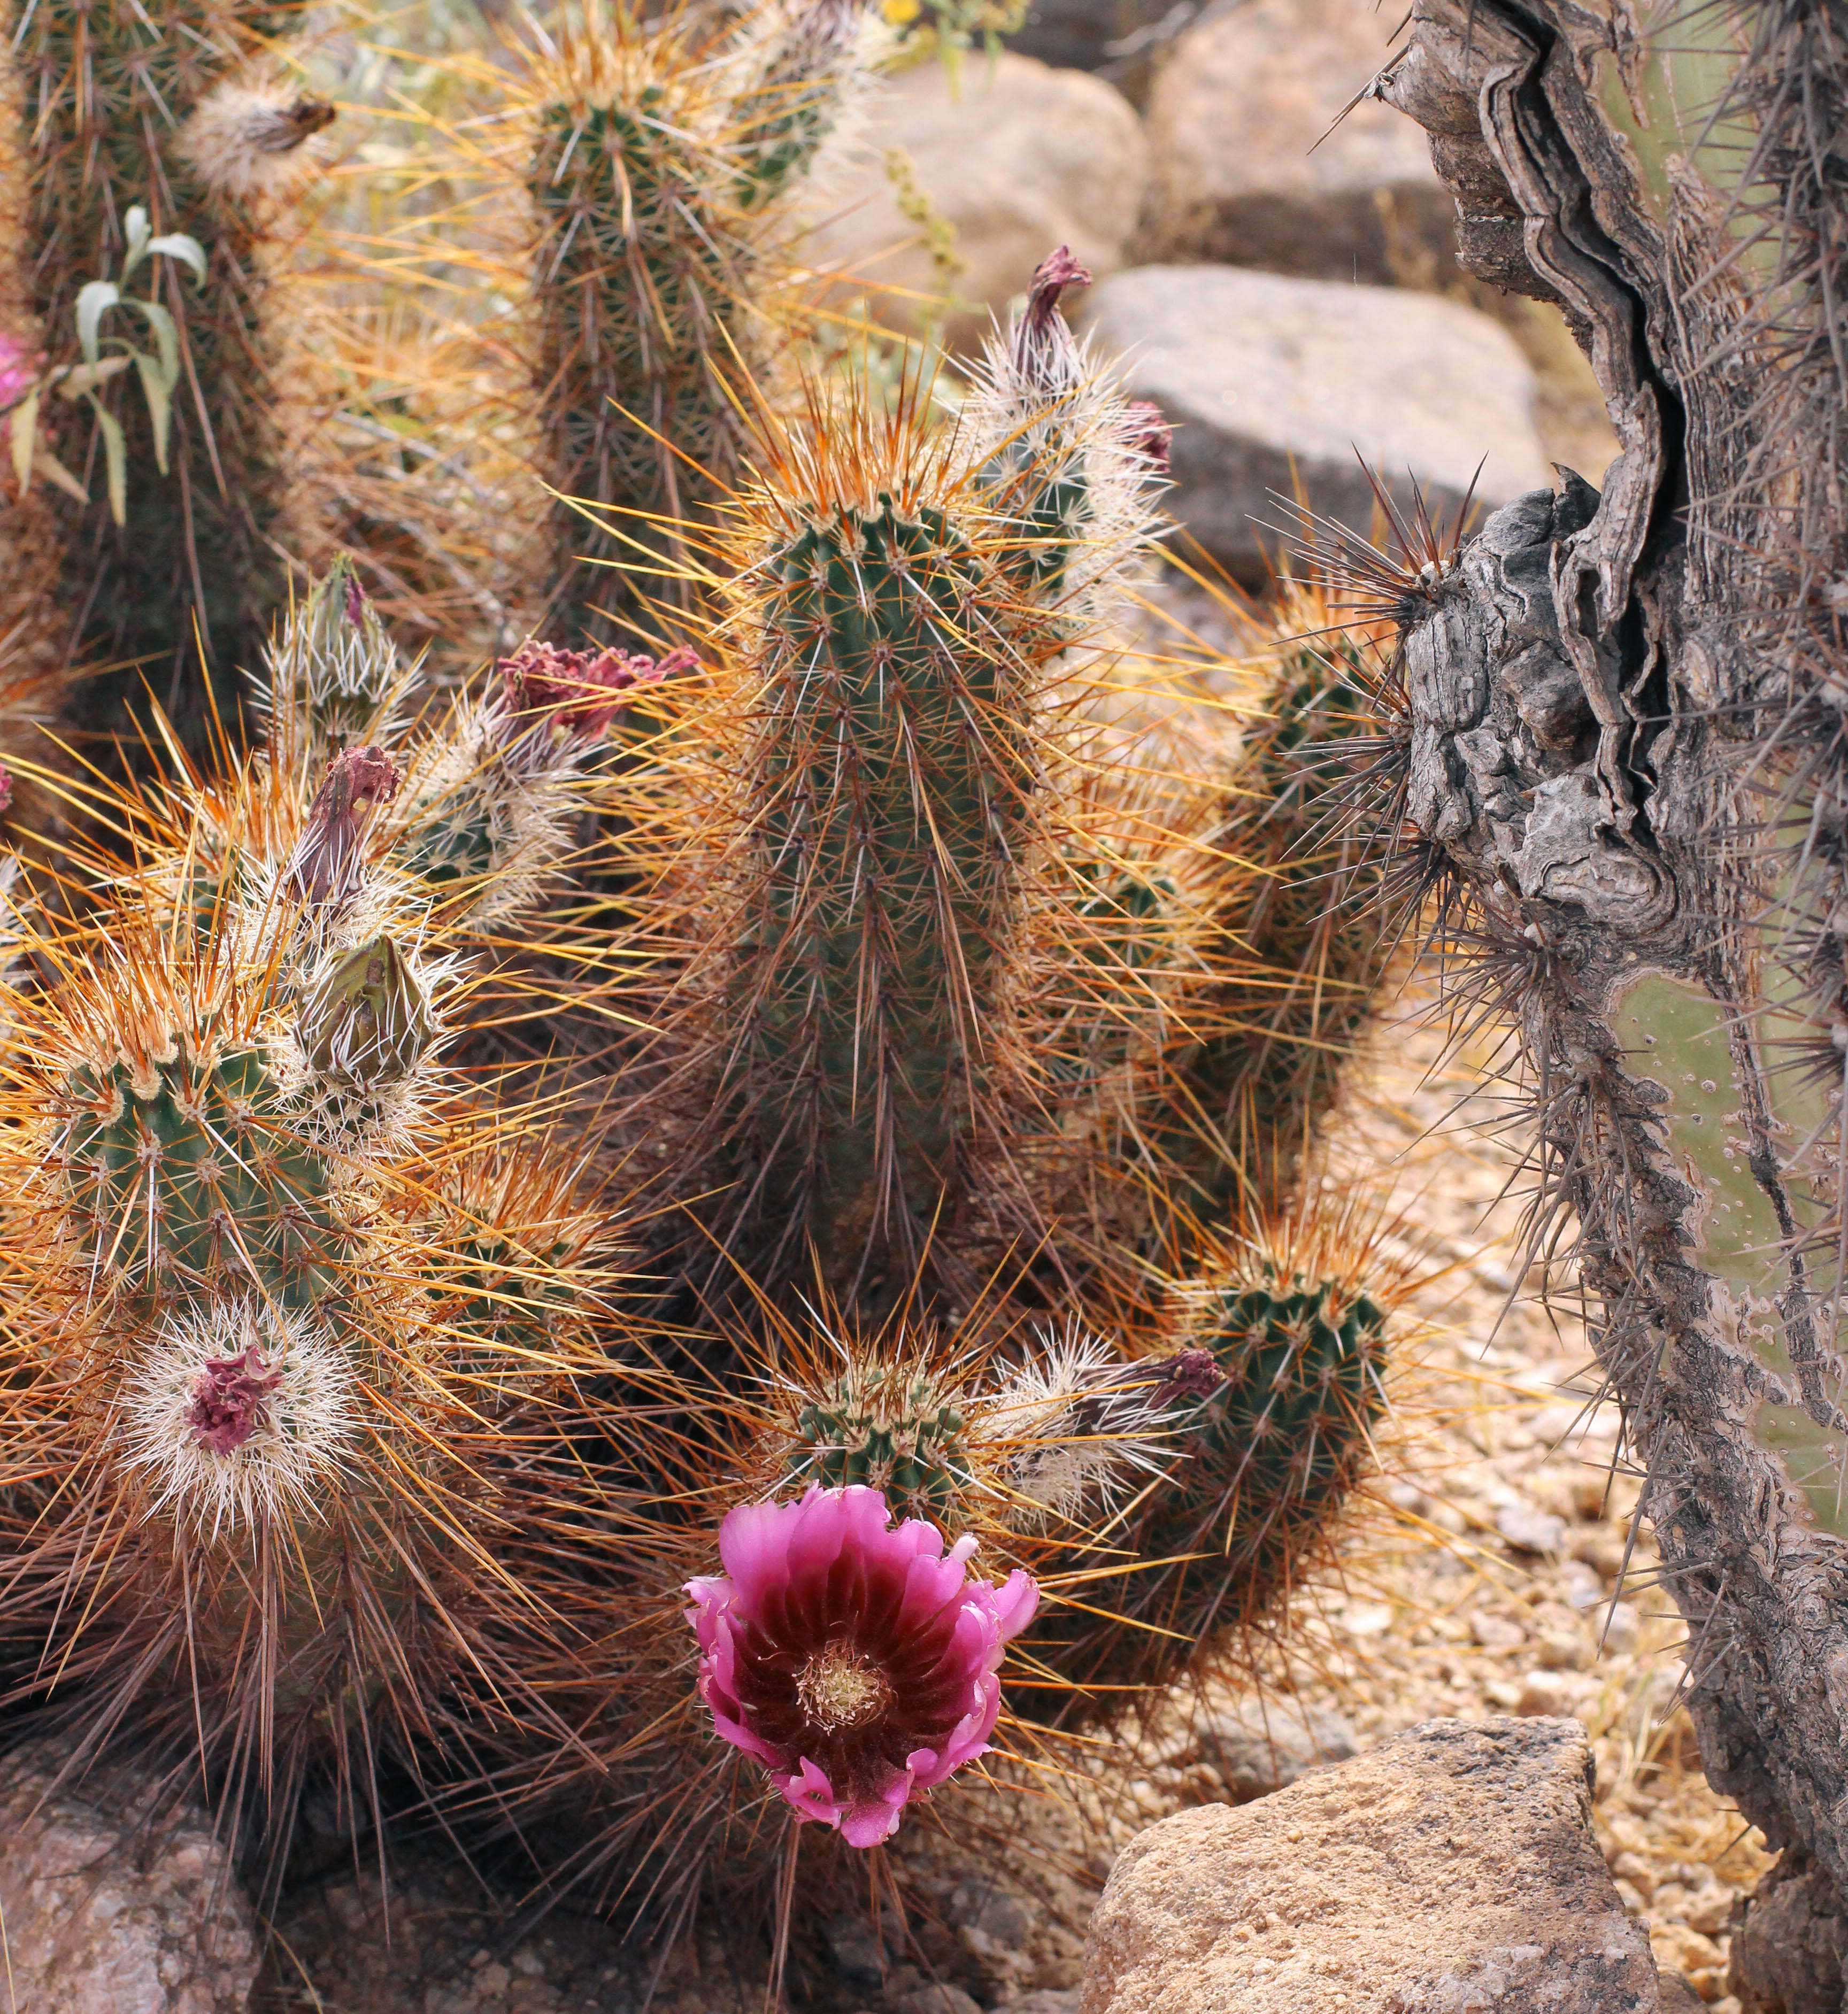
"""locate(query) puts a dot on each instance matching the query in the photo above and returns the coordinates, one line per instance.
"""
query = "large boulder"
(1245, 169)
(1021, 159)
(1453, 1867)
(1270, 382)
(111, 1908)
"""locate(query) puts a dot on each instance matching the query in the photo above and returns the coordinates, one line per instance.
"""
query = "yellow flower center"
(841, 1687)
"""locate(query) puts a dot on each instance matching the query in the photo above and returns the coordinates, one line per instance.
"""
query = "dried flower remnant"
(327, 858)
(238, 1413)
(6, 788)
(581, 691)
(247, 139)
(852, 1657)
(1045, 356)
(231, 1400)
(1151, 435)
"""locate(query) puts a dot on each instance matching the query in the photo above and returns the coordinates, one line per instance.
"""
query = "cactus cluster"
(901, 1237)
(921, 941)
(294, 1316)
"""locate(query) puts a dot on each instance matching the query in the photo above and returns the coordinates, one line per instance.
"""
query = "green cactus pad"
(192, 1172)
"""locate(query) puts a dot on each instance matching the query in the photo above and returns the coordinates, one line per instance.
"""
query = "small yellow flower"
(901, 13)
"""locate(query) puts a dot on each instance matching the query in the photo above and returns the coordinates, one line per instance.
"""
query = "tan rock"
(1245, 169)
(109, 1912)
(1026, 159)
(1270, 381)
(1450, 1869)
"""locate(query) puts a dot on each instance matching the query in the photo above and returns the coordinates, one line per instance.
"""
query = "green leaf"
(92, 304)
(166, 336)
(158, 390)
(188, 251)
(77, 381)
(24, 421)
(135, 224)
(54, 471)
(116, 450)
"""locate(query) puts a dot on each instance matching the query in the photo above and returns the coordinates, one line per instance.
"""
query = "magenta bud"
(231, 1400)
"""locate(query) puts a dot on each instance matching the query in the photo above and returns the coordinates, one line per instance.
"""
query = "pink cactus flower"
(231, 1400)
(851, 1657)
(582, 691)
(6, 788)
(19, 371)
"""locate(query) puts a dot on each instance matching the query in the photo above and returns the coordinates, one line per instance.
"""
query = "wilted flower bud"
(231, 1400)
(1045, 358)
(246, 137)
(367, 1021)
(6, 788)
(581, 691)
(1150, 433)
(327, 856)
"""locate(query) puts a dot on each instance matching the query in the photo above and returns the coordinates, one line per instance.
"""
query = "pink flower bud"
(850, 1657)
(1150, 435)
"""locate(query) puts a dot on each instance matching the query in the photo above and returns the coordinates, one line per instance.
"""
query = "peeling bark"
(1600, 698)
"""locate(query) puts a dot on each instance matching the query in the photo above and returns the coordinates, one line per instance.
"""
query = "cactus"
(1250, 1097)
(922, 932)
(170, 109)
(1611, 738)
(1266, 1444)
(295, 1319)
(662, 158)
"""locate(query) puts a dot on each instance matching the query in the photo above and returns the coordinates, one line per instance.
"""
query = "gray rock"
(1531, 1530)
(1244, 166)
(1025, 160)
(936, 1997)
(990, 1919)
(111, 1909)
(1453, 1867)
(1256, 1746)
(863, 1957)
(1269, 381)
(1045, 2000)
(1790, 1953)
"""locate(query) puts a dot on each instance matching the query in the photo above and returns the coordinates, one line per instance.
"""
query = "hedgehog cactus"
(921, 934)
(663, 156)
(170, 109)
(294, 1318)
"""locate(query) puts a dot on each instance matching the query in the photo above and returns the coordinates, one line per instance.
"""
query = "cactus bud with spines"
(334, 671)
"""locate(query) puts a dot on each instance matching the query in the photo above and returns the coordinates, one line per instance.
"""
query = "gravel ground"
(1487, 1576)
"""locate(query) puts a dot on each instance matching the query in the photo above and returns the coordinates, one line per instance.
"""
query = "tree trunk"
(1613, 741)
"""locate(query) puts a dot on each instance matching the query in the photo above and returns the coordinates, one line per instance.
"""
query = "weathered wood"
(1601, 697)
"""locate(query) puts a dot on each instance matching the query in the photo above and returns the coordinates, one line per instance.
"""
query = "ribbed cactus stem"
(658, 171)
(127, 106)
(1249, 1098)
(891, 769)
